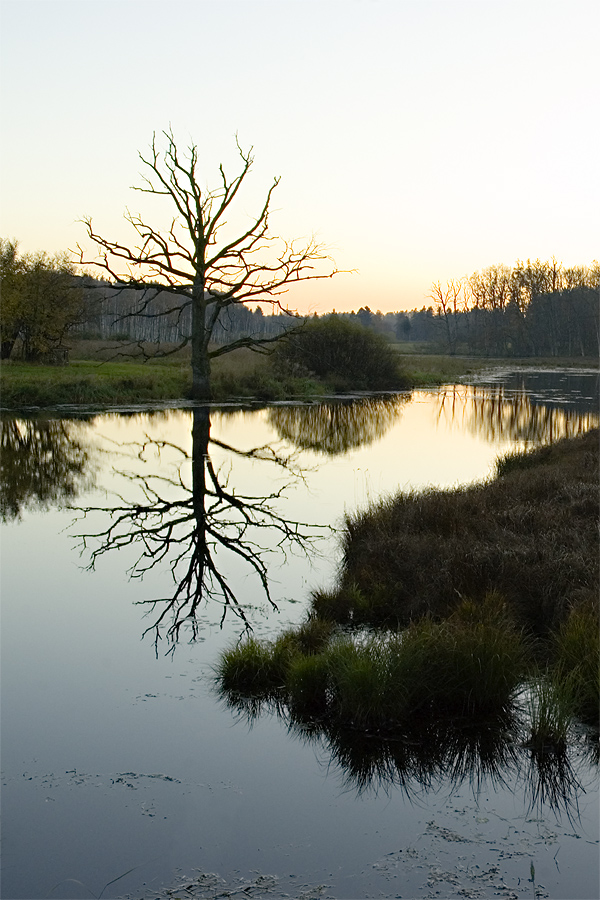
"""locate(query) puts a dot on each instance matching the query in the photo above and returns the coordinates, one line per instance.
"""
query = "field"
(105, 373)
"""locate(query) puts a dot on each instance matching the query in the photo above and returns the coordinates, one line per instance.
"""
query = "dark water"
(117, 758)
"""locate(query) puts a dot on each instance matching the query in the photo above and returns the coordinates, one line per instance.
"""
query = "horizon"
(421, 141)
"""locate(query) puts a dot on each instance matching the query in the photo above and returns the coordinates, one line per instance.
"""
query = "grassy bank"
(530, 533)
(429, 369)
(98, 375)
(451, 603)
(92, 381)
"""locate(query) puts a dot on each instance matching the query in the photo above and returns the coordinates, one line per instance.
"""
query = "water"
(117, 758)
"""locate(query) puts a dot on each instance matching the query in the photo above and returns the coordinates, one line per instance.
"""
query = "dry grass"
(530, 534)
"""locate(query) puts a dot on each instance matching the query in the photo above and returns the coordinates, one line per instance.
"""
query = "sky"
(419, 140)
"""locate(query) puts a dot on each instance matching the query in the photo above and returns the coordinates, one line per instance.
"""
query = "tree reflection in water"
(44, 462)
(499, 414)
(197, 523)
(334, 428)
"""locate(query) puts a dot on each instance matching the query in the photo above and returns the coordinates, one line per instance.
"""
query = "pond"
(123, 772)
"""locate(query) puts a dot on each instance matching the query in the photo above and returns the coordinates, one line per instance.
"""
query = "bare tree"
(197, 263)
(448, 302)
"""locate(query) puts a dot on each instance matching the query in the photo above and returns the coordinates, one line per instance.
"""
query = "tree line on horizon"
(532, 309)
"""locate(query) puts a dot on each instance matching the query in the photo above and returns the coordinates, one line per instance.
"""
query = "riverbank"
(98, 375)
(448, 603)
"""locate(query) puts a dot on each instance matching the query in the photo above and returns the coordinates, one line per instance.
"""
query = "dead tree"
(197, 263)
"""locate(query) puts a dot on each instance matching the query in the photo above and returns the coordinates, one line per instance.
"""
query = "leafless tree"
(448, 302)
(201, 265)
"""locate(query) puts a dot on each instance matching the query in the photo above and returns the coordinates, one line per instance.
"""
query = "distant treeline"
(533, 309)
(113, 312)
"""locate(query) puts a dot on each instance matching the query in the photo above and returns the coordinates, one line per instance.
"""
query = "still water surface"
(117, 758)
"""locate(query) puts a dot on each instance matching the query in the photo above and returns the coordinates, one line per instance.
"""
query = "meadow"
(107, 373)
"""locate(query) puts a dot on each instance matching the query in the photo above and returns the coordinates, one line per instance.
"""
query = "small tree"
(197, 263)
(11, 272)
(41, 300)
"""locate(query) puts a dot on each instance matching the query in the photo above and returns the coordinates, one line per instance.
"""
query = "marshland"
(411, 710)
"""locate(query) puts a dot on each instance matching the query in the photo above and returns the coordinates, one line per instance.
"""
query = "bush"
(346, 355)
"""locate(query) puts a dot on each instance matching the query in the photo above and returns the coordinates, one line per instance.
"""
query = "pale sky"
(421, 140)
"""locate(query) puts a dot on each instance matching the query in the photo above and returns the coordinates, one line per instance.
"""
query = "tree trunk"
(6, 348)
(200, 358)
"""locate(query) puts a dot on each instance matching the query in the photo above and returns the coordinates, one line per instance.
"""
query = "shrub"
(344, 354)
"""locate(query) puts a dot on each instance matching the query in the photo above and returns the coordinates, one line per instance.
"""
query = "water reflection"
(334, 428)
(195, 521)
(499, 414)
(43, 462)
(428, 753)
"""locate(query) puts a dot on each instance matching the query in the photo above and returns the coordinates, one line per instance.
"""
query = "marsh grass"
(531, 535)
(249, 668)
(470, 665)
(88, 382)
(108, 372)
(549, 711)
(576, 658)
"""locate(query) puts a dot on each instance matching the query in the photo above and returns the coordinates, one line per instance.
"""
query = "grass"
(530, 534)
(447, 603)
(549, 707)
(575, 658)
(91, 383)
(426, 366)
(470, 665)
(110, 372)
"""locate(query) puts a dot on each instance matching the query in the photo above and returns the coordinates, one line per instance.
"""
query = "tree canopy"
(41, 300)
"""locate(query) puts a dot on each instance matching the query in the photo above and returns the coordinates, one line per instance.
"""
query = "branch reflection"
(195, 522)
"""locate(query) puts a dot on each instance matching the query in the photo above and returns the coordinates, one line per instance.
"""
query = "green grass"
(550, 710)
(425, 366)
(470, 665)
(576, 659)
(104, 373)
(86, 382)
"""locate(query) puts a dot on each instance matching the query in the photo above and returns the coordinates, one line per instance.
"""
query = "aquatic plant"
(469, 665)
(549, 707)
